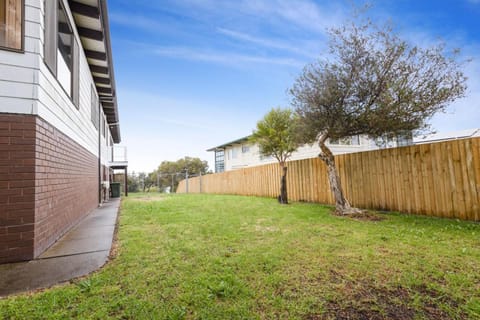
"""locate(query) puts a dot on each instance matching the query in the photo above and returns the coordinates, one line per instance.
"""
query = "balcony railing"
(118, 155)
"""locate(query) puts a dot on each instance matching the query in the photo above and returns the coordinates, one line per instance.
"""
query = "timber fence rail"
(438, 179)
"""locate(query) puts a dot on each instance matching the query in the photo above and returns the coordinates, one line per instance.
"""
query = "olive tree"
(372, 83)
(275, 136)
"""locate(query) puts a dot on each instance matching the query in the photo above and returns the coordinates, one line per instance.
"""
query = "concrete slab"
(37, 274)
(80, 251)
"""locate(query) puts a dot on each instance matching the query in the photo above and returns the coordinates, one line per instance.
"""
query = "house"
(241, 153)
(446, 136)
(58, 120)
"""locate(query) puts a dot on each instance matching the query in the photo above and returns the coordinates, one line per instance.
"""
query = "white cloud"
(269, 43)
(305, 14)
(227, 58)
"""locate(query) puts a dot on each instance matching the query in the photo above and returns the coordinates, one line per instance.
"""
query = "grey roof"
(228, 144)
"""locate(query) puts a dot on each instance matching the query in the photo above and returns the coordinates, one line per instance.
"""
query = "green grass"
(230, 257)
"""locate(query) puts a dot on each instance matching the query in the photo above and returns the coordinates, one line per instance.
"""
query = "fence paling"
(440, 179)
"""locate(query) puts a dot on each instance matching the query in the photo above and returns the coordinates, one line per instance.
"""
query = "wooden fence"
(438, 179)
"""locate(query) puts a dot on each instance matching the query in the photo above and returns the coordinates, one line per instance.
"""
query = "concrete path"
(80, 251)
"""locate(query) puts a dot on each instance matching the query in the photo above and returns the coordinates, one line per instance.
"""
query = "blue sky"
(193, 74)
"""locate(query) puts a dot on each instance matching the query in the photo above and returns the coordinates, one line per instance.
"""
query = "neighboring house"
(241, 153)
(446, 136)
(58, 120)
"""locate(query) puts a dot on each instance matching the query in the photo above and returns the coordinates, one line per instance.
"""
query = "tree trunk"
(342, 206)
(283, 199)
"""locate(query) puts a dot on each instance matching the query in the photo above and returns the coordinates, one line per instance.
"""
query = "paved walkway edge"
(82, 250)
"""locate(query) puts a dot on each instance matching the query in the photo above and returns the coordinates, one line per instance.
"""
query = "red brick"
(23, 155)
(10, 237)
(22, 169)
(28, 198)
(57, 179)
(22, 141)
(21, 184)
(28, 243)
(19, 229)
(27, 235)
(10, 192)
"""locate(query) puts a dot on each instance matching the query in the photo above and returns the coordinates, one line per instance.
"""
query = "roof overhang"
(91, 20)
(229, 144)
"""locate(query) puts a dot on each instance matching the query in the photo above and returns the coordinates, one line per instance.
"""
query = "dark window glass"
(94, 107)
(219, 161)
(65, 48)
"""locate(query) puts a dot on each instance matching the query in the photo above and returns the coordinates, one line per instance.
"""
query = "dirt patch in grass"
(366, 301)
(362, 216)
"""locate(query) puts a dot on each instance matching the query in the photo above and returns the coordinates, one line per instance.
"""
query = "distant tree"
(169, 171)
(133, 185)
(275, 136)
(141, 180)
(374, 84)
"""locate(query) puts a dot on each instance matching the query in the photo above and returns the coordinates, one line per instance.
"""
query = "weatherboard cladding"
(27, 85)
(49, 146)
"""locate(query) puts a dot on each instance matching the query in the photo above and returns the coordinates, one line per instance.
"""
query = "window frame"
(56, 5)
(94, 108)
(22, 26)
(61, 5)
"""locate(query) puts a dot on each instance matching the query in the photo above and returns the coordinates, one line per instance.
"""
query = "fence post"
(200, 182)
(186, 180)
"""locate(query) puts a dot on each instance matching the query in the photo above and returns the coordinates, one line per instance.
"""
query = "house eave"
(229, 144)
(91, 20)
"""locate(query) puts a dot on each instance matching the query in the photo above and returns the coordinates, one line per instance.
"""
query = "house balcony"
(117, 157)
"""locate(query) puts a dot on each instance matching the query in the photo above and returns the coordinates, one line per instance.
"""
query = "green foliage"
(175, 171)
(230, 257)
(133, 182)
(375, 83)
(140, 182)
(276, 134)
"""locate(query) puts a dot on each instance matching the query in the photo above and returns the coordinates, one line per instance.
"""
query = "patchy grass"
(230, 257)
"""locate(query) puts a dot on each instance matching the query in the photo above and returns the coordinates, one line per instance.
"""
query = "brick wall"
(17, 187)
(66, 184)
(48, 183)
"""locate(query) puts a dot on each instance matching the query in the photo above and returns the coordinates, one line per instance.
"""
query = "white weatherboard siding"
(28, 87)
(19, 71)
(235, 158)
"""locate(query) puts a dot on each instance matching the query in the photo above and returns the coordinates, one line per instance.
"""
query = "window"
(347, 141)
(61, 50)
(245, 148)
(219, 160)
(11, 24)
(64, 50)
(405, 139)
(356, 140)
(102, 126)
(235, 152)
(94, 107)
(265, 158)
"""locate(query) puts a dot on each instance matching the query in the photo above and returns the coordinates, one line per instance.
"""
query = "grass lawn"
(231, 257)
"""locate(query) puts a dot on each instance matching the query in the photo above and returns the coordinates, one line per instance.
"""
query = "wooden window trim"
(22, 40)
